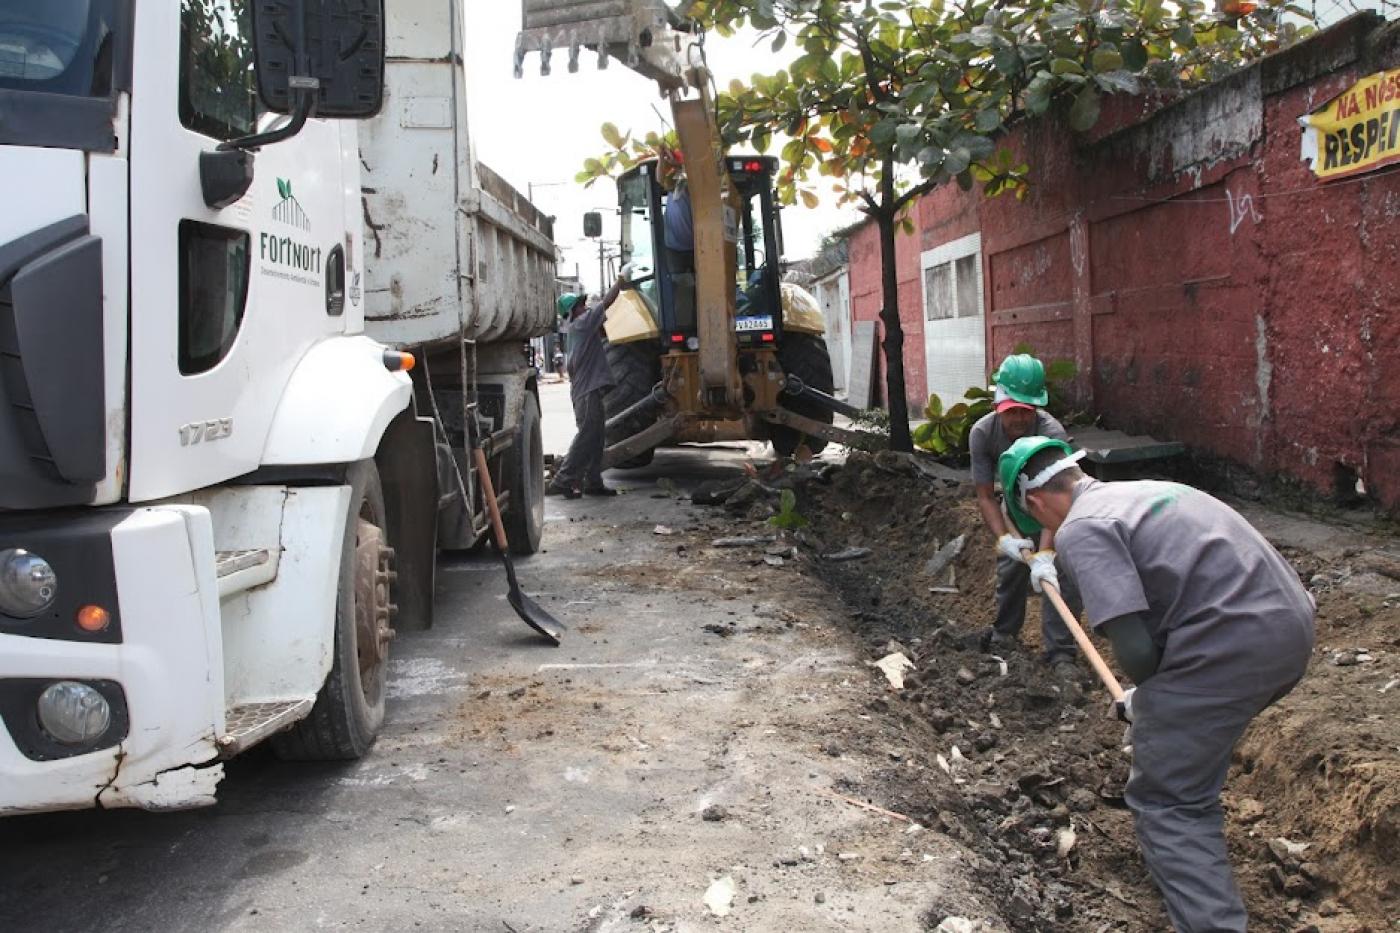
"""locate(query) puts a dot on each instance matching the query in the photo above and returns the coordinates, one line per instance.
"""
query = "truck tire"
(524, 477)
(636, 368)
(804, 356)
(350, 705)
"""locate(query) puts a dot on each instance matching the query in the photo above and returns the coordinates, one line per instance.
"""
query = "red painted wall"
(1209, 287)
(943, 215)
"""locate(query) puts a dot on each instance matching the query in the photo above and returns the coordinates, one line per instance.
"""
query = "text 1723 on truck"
(257, 304)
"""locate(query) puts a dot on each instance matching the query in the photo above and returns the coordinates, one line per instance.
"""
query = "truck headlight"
(28, 584)
(74, 713)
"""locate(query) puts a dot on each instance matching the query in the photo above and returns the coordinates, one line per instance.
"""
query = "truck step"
(242, 570)
(250, 723)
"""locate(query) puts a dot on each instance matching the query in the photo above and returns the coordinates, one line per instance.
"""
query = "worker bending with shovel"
(1020, 395)
(1208, 620)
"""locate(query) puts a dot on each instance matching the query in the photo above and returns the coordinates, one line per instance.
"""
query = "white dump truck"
(257, 303)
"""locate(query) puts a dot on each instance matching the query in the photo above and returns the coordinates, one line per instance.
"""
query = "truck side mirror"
(321, 58)
(331, 51)
(593, 224)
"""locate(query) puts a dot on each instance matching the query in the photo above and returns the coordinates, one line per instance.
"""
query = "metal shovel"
(532, 612)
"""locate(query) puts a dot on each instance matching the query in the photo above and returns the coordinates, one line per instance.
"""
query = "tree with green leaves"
(891, 99)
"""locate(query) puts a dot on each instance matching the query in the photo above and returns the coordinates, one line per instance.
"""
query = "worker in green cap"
(1211, 624)
(590, 377)
(1019, 399)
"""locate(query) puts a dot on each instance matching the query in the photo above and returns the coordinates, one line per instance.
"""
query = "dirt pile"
(1036, 766)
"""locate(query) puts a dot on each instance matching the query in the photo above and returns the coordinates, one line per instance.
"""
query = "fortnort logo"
(288, 210)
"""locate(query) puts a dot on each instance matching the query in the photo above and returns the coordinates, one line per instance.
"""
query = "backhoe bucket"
(646, 35)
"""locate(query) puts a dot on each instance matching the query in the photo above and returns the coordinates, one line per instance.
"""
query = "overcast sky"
(540, 129)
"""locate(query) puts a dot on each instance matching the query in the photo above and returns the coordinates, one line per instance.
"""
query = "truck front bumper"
(159, 664)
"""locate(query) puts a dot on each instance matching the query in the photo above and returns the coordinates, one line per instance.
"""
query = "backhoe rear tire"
(349, 708)
(636, 369)
(804, 356)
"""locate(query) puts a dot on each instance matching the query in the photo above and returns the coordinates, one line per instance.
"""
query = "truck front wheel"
(350, 706)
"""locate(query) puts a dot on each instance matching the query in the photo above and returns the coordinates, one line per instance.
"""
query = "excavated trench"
(1027, 771)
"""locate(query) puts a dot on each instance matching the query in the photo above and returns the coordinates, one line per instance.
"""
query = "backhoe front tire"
(804, 356)
(349, 708)
(636, 369)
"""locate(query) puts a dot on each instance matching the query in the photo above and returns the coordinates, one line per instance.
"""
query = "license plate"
(758, 322)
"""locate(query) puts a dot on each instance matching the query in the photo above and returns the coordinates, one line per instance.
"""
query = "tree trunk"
(889, 314)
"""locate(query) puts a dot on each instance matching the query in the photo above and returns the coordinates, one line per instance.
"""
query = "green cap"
(566, 302)
(1023, 378)
(1009, 468)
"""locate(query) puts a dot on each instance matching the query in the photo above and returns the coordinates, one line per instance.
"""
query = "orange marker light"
(94, 619)
(398, 361)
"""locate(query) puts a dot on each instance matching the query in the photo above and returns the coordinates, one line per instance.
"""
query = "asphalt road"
(517, 786)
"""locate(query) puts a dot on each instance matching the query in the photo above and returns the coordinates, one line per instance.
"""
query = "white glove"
(1012, 546)
(1124, 707)
(1043, 571)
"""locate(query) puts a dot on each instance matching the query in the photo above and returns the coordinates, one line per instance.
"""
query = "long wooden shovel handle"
(1081, 638)
(483, 473)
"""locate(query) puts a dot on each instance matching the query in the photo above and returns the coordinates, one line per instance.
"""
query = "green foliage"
(946, 431)
(924, 90)
(626, 152)
(788, 518)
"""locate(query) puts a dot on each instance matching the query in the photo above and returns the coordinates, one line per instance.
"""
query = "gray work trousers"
(1013, 585)
(583, 464)
(1181, 754)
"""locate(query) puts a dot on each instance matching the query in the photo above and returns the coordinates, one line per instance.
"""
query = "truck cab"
(220, 485)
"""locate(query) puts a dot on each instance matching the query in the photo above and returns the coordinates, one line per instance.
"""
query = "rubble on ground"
(1027, 769)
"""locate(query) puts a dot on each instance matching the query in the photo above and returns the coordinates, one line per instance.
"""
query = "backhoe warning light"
(397, 361)
(678, 338)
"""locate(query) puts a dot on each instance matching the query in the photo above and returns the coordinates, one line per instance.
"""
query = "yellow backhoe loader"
(706, 343)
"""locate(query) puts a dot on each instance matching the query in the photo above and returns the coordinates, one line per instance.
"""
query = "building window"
(953, 280)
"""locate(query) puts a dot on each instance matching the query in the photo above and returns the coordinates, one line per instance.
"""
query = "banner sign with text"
(1358, 131)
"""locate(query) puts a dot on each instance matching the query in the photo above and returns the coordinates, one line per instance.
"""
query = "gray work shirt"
(1226, 610)
(588, 352)
(987, 441)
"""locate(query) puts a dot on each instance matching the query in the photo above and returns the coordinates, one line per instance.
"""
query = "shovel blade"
(536, 616)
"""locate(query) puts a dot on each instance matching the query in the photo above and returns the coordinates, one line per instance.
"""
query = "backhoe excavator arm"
(648, 37)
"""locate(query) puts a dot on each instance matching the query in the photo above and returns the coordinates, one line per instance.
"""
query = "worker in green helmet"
(590, 377)
(1019, 412)
(1208, 620)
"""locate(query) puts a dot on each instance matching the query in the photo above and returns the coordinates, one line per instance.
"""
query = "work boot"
(568, 492)
(600, 491)
(990, 641)
(1066, 670)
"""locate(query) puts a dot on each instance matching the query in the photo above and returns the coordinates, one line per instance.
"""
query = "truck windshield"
(63, 47)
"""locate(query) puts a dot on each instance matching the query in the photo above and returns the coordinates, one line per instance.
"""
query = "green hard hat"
(1009, 468)
(1023, 378)
(566, 302)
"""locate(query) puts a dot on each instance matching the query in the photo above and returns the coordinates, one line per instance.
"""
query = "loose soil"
(1027, 771)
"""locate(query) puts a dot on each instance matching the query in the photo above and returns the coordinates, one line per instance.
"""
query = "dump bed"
(451, 249)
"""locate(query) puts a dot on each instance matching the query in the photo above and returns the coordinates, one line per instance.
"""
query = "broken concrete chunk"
(719, 896)
(1285, 851)
(944, 556)
(715, 491)
(741, 541)
(850, 553)
(966, 677)
(893, 666)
